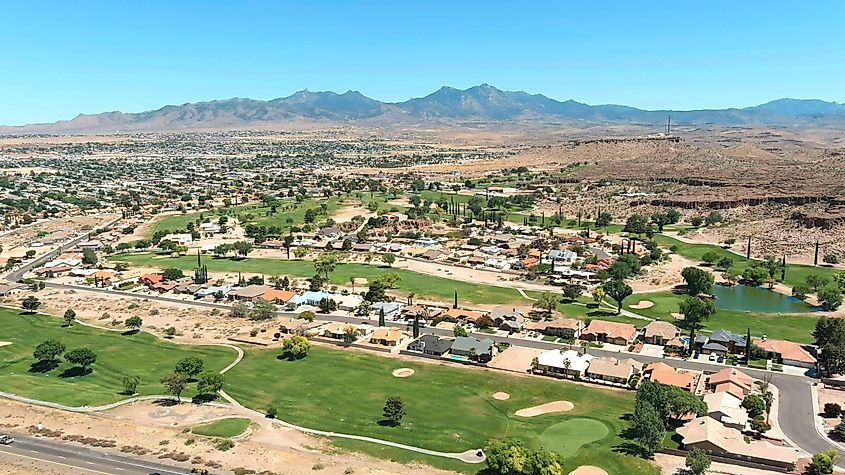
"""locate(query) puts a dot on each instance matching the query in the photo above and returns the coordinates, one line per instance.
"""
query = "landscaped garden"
(117, 355)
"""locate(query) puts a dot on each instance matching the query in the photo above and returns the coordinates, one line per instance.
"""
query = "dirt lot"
(283, 451)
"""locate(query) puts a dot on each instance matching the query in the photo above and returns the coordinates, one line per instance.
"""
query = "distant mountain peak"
(478, 103)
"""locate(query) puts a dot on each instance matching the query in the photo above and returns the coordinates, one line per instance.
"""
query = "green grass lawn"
(288, 213)
(138, 354)
(423, 285)
(795, 273)
(792, 327)
(225, 428)
(449, 408)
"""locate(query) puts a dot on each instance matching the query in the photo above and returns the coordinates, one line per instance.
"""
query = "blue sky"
(63, 58)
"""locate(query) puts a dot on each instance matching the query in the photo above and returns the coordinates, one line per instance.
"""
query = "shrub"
(831, 409)
(224, 445)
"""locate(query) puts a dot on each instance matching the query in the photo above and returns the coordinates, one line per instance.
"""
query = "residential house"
(250, 292)
(662, 373)
(473, 348)
(610, 332)
(460, 314)
(299, 326)
(388, 336)
(151, 279)
(392, 310)
(788, 353)
(508, 318)
(714, 438)
(431, 345)
(569, 363)
(11, 288)
(659, 332)
(727, 409)
(563, 327)
(613, 370)
(179, 239)
(278, 296)
(309, 298)
(730, 380)
(732, 342)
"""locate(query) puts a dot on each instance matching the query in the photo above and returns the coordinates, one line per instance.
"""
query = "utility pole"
(669, 126)
(816, 258)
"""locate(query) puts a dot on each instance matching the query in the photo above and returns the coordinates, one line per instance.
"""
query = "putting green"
(570, 435)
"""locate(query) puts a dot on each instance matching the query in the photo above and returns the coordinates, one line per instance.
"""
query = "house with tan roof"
(613, 370)
(563, 327)
(459, 314)
(730, 380)
(660, 333)
(250, 292)
(663, 373)
(788, 353)
(388, 336)
(610, 332)
(713, 438)
(727, 409)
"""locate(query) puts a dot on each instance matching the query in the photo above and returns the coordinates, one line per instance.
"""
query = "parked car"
(6, 440)
(712, 357)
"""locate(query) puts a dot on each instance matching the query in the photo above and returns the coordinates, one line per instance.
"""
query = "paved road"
(82, 460)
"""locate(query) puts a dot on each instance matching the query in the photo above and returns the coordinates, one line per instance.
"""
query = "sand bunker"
(500, 396)
(5, 343)
(557, 406)
(643, 304)
(403, 372)
(678, 316)
(588, 470)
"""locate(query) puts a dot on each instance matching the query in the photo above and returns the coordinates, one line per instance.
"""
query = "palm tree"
(566, 365)
(352, 281)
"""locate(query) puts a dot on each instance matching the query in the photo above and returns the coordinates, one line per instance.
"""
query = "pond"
(758, 299)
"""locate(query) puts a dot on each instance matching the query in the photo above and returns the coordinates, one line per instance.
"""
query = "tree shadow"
(43, 366)
(601, 313)
(630, 446)
(387, 423)
(75, 372)
(203, 398)
(130, 332)
(165, 402)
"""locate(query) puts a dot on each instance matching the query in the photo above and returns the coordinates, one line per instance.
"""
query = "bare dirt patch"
(549, 407)
(403, 372)
(500, 396)
(588, 470)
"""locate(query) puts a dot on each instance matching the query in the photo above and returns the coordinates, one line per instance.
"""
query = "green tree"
(544, 462)
(389, 258)
(695, 311)
(507, 457)
(598, 295)
(296, 347)
(82, 357)
(30, 304)
(649, 427)
(130, 384)
(759, 425)
(209, 383)
(190, 366)
(262, 310)
(823, 462)
(755, 405)
(48, 350)
(546, 301)
(817, 281)
(300, 252)
(133, 323)
(636, 224)
(394, 410)
(459, 330)
(172, 273)
(830, 297)
(175, 383)
(698, 281)
(243, 248)
(325, 263)
(710, 257)
(350, 335)
(697, 461)
(69, 317)
(618, 291)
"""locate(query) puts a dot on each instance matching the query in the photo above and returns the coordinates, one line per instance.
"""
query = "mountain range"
(478, 103)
